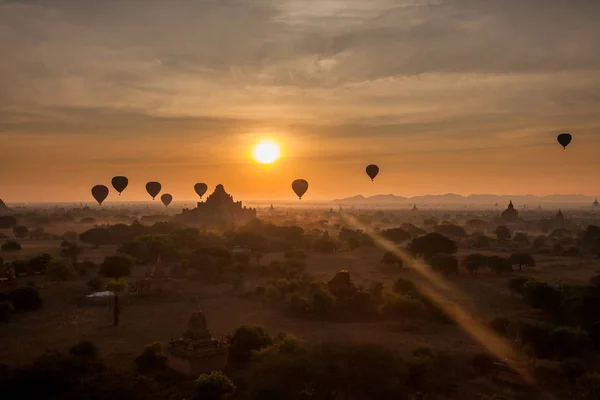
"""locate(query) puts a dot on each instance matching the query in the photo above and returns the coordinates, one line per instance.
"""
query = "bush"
(213, 386)
(246, 339)
(20, 231)
(95, 283)
(85, 350)
(522, 259)
(60, 270)
(588, 386)
(151, 360)
(432, 244)
(473, 262)
(25, 299)
(570, 342)
(517, 284)
(405, 287)
(404, 308)
(444, 263)
(542, 296)
(11, 246)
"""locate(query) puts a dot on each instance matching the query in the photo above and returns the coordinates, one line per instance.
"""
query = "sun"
(266, 152)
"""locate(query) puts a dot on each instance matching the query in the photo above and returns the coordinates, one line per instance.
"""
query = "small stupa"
(414, 209)
(596, 205)
(559, 216)
(196, 352)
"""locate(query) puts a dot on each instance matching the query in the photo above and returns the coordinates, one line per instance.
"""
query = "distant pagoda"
(414, 209)
(219, 207)
(510, 214)
(559, 216)
(596, 204)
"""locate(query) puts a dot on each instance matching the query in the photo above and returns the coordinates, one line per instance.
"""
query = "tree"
(498, 264)
(503, 233)
(7, 221)
(246, 339)
(25, 298)
(213, 386)
(390, 258)
(432, 244)
(116, 267)
(11, 246)
(324, 244)
(243, 259)
(405, 287)
(444, 263)
(517, 284)
(522, 259)
(257, 256)
(20, 231)
(451, 230)
(97, 237)
(59, 270)
(71, 250)
(396, 235)
(473, 262)
(521, 237)
(37, 265)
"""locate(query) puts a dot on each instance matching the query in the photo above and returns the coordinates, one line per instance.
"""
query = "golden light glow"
(266, 152)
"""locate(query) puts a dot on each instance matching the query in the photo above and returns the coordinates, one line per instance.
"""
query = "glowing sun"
(266, 152)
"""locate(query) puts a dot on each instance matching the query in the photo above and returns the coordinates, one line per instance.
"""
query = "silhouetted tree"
(116, 267)
(503, 233)
(405, 287)
(521, 237)
(432, 244)
(522, 259)
(444, 263)
(59, 270)
(213, 386)
(473, 262)
(246, 339)
(396, 235)
(11, 246)
(390, 258)
(20, 231)
(97, 237)
(243, 259)
(498, 264)
(451, 230)
(71, 250)
(7, 221)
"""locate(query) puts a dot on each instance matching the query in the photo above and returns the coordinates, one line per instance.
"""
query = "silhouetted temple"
(510, 214)
(219, 207)
(596, 204)
(559, 216)
(414, 209)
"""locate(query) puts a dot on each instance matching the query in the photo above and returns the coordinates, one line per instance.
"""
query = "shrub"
(570, 342)
(213, 386)
(25, 299)
(11, 246)
(404, 308)
(20, 231)
(60, 270)
(542, 296)
(151, 360)
(517, 284)
(444, 263)
(473, 262)
(246, 339)
(405, 287)
(95, 283)
(85, 350)
(522, 259)
(588, 386)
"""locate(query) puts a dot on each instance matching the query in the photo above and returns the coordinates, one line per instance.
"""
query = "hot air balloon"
(153, 189)
(200, 189)
(120, 183)
(300, 187)
(100, 193)
(372, 171)
(564, 139)
(166, 199)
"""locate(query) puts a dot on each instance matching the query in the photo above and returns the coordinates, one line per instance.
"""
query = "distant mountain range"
(452, 198)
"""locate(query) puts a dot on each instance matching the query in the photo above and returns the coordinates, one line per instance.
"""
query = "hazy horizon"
(447, 96)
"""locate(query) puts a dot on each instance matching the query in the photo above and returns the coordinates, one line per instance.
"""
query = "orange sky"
(457, 96)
